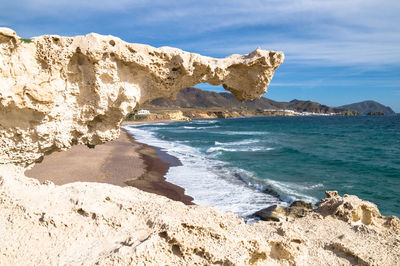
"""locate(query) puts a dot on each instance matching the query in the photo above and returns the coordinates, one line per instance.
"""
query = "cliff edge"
(60, 91)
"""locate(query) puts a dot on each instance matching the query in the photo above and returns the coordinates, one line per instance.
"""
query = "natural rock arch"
(61, 91)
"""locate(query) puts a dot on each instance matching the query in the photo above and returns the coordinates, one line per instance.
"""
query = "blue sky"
(337, 52)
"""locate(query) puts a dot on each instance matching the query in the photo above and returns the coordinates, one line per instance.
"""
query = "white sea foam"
(205, 121)
(182, 129)
(208, 181)
(242, 149)
(314, 186)
(240, 142)
(202, 127)
(291, 191)
(287, 191)
(213, 182)
(208, 127)
(250, 133)
(241, 145)
(213, 149)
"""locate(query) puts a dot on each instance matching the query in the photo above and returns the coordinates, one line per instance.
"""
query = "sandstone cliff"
(59, 91)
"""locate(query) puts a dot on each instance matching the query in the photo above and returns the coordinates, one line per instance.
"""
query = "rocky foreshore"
(94, 223)
(62, 91)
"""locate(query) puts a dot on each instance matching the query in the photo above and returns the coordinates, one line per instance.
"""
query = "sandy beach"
(120, 162)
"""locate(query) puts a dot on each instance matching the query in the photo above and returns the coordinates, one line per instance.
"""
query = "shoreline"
(157, 163)
(122, 162)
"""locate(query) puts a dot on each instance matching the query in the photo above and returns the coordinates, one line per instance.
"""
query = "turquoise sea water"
(245, 164)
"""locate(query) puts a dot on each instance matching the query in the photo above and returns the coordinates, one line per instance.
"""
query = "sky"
(336, 51)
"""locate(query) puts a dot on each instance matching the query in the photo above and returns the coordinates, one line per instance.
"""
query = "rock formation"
(277, 213)
(59, 91)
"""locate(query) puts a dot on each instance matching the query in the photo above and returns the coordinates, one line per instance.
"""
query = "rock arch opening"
(196, 102)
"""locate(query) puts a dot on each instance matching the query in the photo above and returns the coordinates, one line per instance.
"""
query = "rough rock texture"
(59, 91)
(56, 92)
(88, 223)
(297, 209)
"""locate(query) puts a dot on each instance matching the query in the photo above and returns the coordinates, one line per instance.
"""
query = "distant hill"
(366, 107)
(196, 98)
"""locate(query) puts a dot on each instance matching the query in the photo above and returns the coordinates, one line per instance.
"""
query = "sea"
(242, 165)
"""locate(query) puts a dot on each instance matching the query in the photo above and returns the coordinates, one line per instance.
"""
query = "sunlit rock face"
(59, 91)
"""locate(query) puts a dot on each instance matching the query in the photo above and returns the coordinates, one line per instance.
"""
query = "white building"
(143, 112)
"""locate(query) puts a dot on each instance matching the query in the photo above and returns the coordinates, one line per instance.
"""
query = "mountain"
(195, 98)
(366, 107)
(312, 107)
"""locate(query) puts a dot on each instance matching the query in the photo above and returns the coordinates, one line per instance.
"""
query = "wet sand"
(120, 162)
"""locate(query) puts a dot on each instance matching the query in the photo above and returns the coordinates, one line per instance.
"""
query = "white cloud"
(339, 32)
(328, 32)
(338, 52)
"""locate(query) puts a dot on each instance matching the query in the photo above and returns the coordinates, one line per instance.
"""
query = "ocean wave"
(208, 181)
(250, 133)
(214, 126)
(213, 182)
(213, 149)
(197, 128)
(240, 142)
(202, 127)
(291, 191)
(315, 186)
(200, 121)
(286, 192)
(243, 149)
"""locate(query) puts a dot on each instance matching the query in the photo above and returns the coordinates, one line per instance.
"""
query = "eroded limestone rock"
(352, 209)
(59, 91)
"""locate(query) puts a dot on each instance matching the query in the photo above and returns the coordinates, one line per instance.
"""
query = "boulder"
(278, 213)
(273, 213)
(301, 204)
